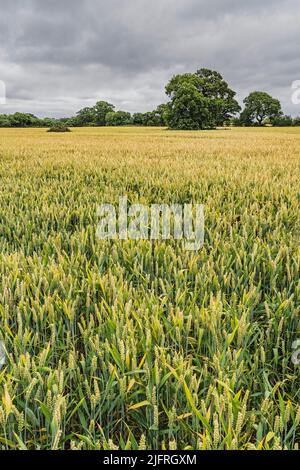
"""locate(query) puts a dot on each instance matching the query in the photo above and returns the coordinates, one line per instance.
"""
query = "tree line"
(200, 100)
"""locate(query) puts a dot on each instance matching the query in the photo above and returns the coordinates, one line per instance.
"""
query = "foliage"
(29, 120)
(101, 109)
(282, 121)
(17, 120)
(222, 99)
(260, 106)
(5, 120)
(296, 121)
(123, 344)
(188, 109)
(95, 115)
(153, 118)
(119, 118)
(85, 116)
(200, 101)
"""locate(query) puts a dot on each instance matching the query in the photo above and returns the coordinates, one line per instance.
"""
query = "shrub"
(282, 121)
(59, 128)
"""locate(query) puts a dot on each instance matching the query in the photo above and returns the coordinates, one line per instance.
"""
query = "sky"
(58, 56)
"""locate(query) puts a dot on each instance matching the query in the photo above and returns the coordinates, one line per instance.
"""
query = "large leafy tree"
(188, 108)
(85, 116)
(95, 115)
(260, 106)
(223, 104)
(101, 109)
(201, 100)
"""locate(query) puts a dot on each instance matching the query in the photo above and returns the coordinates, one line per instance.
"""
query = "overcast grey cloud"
(57, 56)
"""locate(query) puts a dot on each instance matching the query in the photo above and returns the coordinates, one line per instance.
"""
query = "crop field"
(142, 344)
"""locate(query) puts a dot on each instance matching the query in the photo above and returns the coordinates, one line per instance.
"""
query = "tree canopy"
(95, 115)
(201, 100)
(188, 108)
(118, 118)
(258, 107)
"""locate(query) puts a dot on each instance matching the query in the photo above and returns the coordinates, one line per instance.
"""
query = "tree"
(177, 81)
(139, 119)
(260, 106)
(296, 121)
(159, 115)
(119, 118)
(222, 99)
(85, 116)
(207, 89)
(282, 121)
(22, 120)
(245, 118)
(47, 122)
(101, 109)
(4, 120)
(72, 122)
(152, 118)
(188, 108)
(94, 116)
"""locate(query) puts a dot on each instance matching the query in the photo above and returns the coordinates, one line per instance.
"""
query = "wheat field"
(139, 344)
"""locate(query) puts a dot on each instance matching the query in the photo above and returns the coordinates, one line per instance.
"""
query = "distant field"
(111, 347)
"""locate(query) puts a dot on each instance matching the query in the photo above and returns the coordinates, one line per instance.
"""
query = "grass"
(109, 347)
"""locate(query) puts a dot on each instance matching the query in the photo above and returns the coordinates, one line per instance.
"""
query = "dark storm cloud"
(57, 56)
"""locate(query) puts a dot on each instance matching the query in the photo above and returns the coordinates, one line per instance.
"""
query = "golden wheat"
(134, 345)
